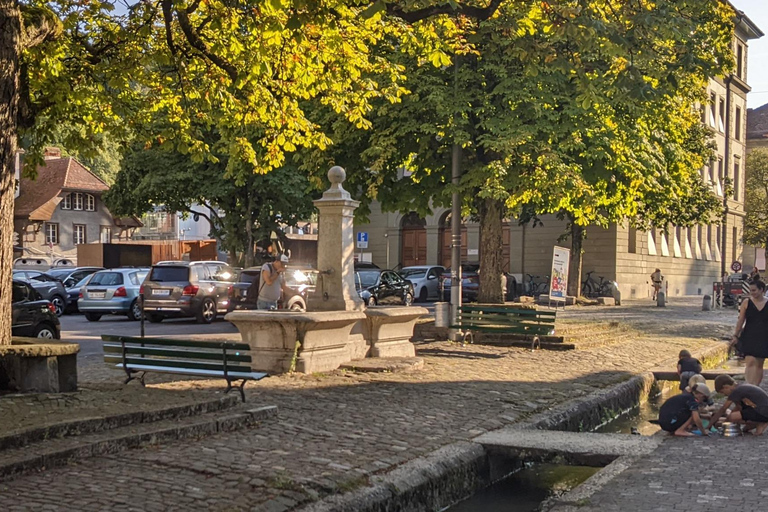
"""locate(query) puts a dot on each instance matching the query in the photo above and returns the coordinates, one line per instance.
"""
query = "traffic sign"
(362, 240)
(736, 266)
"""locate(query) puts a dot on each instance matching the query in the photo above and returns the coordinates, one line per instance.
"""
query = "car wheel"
(408, 299)
(371, 301)
(58, 304)
(207, 313)
(155, 318)
(423, 294)
(134, 313)
(297, 306)
(93, 317)
(46, 332)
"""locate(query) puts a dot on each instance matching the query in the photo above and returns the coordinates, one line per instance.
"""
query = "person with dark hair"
(754, 275)
(751, 404)
(687, 367)
(751, 335)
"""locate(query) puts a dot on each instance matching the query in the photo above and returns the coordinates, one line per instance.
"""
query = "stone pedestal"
(323, 337)
(390, 330)
(29, 365)
(335, 290)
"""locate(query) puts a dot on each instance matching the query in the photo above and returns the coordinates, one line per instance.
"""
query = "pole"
(141, 301)
(386, 235)
(455, 213)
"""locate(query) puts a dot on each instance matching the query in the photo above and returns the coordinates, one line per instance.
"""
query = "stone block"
(30, 366)
(390, 330)
(570, 300)
(606, 301)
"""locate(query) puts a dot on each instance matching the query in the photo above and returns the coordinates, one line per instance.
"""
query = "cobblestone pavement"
(693, 474)
(336, 429)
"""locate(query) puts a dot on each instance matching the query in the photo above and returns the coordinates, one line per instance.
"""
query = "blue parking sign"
(362, 240)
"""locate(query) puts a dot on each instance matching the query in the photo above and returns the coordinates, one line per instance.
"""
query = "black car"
(70, 276)
(32, 315)
(298, 284)
(383, 287)
(49, 287)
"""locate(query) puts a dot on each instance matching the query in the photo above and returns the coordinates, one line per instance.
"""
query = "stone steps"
(62, 451)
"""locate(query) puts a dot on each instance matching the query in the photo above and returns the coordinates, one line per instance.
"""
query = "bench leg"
(535, 343)
(239, 388)
(141, 379)
(469, 335)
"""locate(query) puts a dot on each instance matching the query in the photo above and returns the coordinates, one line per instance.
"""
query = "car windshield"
(60, 273)
(137, 277)
(163, 273)
(299, 277)
(367, 279)
(250, 276)
(83, 281)
(106, 279)
(414, 273)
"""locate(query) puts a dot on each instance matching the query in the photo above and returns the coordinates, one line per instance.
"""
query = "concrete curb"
(93, 425)
(26, 459)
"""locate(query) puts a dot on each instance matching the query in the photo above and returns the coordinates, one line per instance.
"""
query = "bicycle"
(533, 288)
(592, 288)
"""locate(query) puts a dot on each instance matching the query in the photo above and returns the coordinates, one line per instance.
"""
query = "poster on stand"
(558, 283)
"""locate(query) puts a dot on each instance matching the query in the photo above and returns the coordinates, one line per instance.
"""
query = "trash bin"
(442, 314)
(706, 303)
(661, 299)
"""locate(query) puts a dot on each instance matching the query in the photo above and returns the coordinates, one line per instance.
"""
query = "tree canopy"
(756, 199)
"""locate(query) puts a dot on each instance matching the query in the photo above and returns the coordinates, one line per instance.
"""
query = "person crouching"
(680, 413)
(751, 404)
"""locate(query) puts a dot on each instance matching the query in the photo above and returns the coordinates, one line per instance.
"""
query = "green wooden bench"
(499, 319)
(226, 360)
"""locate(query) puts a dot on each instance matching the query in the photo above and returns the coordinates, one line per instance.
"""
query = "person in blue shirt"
(680, 413)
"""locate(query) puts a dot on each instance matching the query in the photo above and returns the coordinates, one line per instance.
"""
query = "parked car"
(298, 284)
(470, 284)
(198, 289)
(112, 292)
(73, 294)
(426, 281)
(360, 265)
(31, 315)
(70, 276)
(383, 287)
(49, 288)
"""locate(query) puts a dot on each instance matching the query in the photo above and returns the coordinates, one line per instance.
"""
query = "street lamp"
(386, 235)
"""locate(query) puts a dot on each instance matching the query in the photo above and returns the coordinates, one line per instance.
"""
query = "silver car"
(425, 279)
(114, 291)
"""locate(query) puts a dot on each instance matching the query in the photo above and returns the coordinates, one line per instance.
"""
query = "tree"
(756, 199)
(244, 208)
(558, 108)
(237, 67)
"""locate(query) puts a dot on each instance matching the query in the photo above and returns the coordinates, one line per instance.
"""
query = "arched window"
(77, 201)
(66, 202)
(90, 203)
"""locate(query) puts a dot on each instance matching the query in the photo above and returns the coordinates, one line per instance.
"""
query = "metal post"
(455, 213)
(386, 235)
(141, 301)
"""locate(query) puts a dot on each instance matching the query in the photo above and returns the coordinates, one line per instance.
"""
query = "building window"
(78, 234)
(712, 109)
(105, 236)
(740, 61)
(51, 233)
(77, 201)
(736, 181)
(66, 202)
(632, 240)
(737, 125)
(721, 117)
(90, 203)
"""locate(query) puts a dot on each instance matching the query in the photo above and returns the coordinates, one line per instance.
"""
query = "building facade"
(690, 258)
(63, 208)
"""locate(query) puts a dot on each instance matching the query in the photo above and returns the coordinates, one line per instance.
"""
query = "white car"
(426, 281)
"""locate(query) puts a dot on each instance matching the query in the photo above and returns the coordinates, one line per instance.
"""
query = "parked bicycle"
(535, 285)
(593, 288)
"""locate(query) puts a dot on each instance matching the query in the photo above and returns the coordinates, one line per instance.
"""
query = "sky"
(757, 65)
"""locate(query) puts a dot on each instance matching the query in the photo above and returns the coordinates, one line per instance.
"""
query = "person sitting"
(687, 367)
(751, 404)
(705, 409)
(681, 412)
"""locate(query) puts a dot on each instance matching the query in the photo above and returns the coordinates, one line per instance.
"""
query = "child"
(687, 367)
(751, 404)
(679, 413)
(705, 409)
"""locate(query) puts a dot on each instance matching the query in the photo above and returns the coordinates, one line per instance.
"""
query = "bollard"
(617, 296)
(706, 304)
(661, 299)
(442, 314)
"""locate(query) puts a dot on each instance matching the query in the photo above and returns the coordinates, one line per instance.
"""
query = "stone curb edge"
(120, 442)
(93, 425)
(456, 470)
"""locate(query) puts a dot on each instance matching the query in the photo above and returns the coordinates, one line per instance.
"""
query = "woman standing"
(753, 337)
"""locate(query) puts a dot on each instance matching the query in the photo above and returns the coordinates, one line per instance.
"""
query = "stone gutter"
(459, 470)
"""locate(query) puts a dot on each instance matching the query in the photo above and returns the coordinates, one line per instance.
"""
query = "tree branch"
(167, 19)
(194, 40)
(470, 11)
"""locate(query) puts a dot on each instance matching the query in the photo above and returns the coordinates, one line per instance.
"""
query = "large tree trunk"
(10, 46)
(491, 253)
(574, 268)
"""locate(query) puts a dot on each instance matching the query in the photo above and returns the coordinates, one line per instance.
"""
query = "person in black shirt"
(751, 403)
(687, 367)
(680, 412)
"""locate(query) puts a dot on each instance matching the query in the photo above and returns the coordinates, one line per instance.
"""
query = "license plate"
(161, 293)
(98, 295)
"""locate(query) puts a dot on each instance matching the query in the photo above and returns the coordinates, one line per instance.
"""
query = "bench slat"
(202, 373)
(218, 355)
(171, 363)
(500, 309)
(503, 319)
(175, 343)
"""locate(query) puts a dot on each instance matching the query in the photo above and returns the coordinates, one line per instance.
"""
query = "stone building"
(691, 259)
(757, 138)
(62, 208)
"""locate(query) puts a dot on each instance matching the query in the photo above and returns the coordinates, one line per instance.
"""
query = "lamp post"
(386, 236)
(455, 212)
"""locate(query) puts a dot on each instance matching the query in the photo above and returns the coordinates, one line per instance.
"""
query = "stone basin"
(273, 335)
(31, 365)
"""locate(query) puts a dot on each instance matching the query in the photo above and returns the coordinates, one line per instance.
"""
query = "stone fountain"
(337, 327)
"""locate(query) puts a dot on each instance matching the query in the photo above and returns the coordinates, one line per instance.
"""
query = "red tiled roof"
(757, 122)
(54, 176)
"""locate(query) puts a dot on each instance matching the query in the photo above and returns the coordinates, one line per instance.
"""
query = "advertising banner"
(558, 283)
